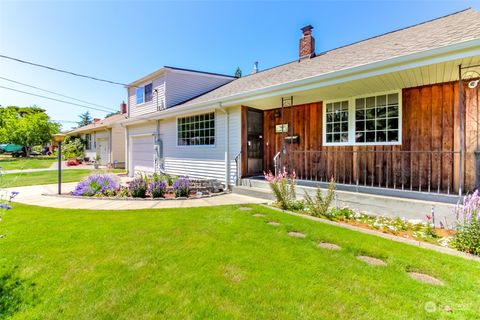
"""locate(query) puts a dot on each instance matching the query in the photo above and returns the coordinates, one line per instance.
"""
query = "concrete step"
(369, 203)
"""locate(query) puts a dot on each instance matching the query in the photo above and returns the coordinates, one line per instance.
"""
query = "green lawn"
(10, 163)
(216, 263)
(46, 177)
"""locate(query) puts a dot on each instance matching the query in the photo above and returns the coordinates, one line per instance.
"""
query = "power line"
(64, 71)
(58, 94)
(44, 97)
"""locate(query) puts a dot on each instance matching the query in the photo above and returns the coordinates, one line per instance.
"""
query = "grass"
(40, 162)
(46, 177)
(217, 263)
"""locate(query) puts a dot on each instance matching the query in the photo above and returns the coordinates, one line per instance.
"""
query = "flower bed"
(464, 236)
(147, 187)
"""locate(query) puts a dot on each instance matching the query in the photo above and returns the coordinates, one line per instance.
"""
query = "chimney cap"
(307, 28)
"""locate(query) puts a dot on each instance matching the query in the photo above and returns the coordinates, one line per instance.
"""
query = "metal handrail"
(238, 174)
(275, 164)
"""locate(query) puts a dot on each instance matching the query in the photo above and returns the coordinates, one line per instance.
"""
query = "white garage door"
(102, 150)
(142, 154)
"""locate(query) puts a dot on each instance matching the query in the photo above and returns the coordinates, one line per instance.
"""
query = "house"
(395, 112)
(105, 138)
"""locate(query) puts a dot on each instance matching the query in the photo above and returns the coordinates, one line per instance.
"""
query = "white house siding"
(137, 110)
(202, 161)
(182, 86)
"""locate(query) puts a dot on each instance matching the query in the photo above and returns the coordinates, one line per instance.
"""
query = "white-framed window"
(144, 94)
(196, 130)
(374, 119)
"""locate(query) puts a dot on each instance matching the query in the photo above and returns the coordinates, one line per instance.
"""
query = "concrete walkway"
(44, 196)
(53, 167)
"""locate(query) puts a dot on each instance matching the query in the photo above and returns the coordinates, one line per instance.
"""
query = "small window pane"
(381, 112)
(392, 124)
(381, 124)
(329, 127)
(381, 136)
(370, 125)
(329, 137)
(381, 100)
(344, 127)
(370, 113)
(360, 103)
(360, 114)
(148, 92)
(393, 98)
(370, 137)
(329, 107)
(370, 102)
(393, 136)
(392, 112)
(360, 126)
(360, 137)
(140, 95)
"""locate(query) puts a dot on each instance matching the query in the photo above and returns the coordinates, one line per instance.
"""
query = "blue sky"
(123, 41)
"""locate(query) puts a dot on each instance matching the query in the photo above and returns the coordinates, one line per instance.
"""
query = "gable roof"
(103, 123)
(433, 34)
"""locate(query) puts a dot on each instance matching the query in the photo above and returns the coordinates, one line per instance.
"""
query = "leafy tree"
(73, 148)
(112, 114)
(26, 126)
(85, 119)
(238, 73)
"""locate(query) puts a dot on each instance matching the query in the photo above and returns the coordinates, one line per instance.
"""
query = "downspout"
(227, 145)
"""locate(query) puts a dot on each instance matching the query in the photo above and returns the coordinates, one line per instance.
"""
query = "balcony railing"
(424, 171)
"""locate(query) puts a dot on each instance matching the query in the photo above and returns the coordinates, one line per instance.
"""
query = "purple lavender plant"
(467, 236)
(138, 187)
(157, 188)
(181, 187)
(96, 185)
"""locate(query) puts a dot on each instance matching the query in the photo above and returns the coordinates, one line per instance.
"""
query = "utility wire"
(63, 71)
(44, 97)
(58, 94)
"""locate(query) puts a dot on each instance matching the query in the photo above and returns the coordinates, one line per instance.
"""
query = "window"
(337, 122)
(88, 141)
(376, 119)
(144, 94)
(198, 130)
(369, 120)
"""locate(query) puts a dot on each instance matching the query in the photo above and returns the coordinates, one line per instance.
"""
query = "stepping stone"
(329, 246)
(296, 234)
(273, 223)
(425, 278)
(372, 261)
(258, 215)
(245, 208)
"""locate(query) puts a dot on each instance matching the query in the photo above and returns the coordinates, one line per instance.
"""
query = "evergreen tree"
(85, 119)
(238, 73)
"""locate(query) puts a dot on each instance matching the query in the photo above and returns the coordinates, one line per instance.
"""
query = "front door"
(254, 142)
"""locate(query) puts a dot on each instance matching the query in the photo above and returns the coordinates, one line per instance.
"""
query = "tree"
(26, 126)
(85, 119)
(238, 73)
(112, 114)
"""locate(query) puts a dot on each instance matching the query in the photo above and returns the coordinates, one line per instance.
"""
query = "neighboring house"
(106, 138)
(387, 113)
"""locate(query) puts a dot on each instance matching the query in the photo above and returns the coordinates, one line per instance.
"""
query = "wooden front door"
(254, 142)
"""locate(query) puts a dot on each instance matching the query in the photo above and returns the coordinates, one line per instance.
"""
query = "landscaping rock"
(273, 223)
(372, 261)
(329, 246)
(296, 234)
(425, 278)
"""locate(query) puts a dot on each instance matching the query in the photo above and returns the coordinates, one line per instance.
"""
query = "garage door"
(142, 154)
(102, 150)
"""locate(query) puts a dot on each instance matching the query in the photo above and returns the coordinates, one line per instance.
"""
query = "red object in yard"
(72, 162)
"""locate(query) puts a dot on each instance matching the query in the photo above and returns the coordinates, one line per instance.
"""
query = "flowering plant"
(157, 188)
(138, 187)
(283, 187)
(96, 185)
(181, 187)
(5, 198)
(467, 237)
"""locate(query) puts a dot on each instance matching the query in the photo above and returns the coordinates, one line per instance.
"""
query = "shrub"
(168, 179)
(319, 205)
(181, 187)
(283, 187)
(157, 188)
(467, 236)
(96, 185)
(138, 187)
(73, 148)
(72, 162)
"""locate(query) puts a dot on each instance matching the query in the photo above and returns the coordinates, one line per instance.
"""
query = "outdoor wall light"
(473, 84)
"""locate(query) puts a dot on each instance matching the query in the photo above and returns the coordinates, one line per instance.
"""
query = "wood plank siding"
(425, 161)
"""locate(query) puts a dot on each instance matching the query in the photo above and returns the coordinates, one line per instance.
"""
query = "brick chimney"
(123, 107)
(307, 44)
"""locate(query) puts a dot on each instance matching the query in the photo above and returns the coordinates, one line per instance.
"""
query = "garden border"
(210, 195)
(420, 244)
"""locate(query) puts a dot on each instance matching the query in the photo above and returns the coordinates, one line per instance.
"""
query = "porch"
(422, 145)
